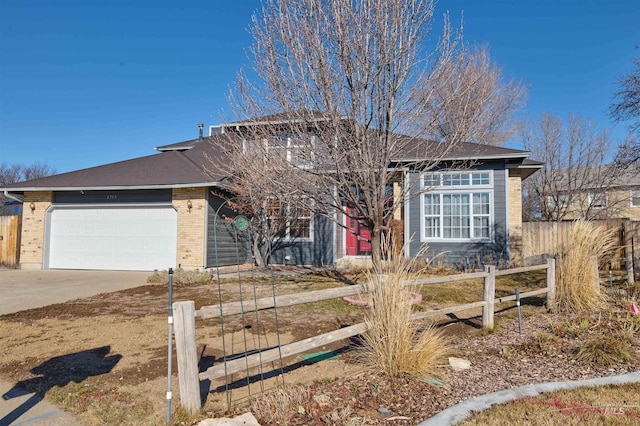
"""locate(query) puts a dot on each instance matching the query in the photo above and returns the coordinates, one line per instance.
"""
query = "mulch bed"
(500, 360)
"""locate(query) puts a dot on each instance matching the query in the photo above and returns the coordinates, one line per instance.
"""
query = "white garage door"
(117, 238)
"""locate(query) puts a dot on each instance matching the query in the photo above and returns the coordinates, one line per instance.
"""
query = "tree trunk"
(376, 249)
(257, 254)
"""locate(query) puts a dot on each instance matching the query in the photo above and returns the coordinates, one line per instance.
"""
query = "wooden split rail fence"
(185, 315)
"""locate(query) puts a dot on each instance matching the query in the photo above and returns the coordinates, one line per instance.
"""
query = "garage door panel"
(119, 238)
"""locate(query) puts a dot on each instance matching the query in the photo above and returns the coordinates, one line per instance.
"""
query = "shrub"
(577, 283)
(395, 343)
(607, 350)
(281, 405)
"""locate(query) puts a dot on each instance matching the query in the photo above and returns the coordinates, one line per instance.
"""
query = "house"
(166, 210)
(595, 193)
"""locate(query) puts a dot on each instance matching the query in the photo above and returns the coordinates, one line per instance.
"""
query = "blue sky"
(85, 83)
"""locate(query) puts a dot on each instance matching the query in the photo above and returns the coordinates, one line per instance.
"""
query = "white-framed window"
(289, 221)
(293, 149)
(457, 206)
(635, 197)
(597, 200)
(560, 201)
(456, 179)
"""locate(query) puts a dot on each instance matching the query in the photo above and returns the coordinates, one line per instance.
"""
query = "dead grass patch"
(588, 406)
(607, 350)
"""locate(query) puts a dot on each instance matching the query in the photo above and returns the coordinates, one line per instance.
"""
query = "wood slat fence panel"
(541, 239)
(9, 240)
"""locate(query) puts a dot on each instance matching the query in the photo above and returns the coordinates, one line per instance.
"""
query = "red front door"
(358, 236)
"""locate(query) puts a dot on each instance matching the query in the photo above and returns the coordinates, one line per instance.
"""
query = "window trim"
(591, 196)
(287, 232)
(632, 196)
(442, 175)
(286, 144)
(456, 189)
(564, 201)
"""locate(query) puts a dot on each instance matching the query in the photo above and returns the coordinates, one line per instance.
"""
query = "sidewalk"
(19, 408)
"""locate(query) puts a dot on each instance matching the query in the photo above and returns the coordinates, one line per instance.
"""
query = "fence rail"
(185, 327)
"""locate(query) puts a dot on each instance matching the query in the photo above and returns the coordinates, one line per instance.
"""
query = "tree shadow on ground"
(59, 371)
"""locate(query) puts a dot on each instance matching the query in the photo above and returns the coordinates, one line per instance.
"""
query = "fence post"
(629, 261)
(489, 295)
(185, 334)
(551, 283)
(596, 271)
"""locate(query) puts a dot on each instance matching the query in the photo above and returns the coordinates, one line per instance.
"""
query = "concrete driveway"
(20, 290)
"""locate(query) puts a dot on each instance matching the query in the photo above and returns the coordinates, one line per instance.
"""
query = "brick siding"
(33, 227)
(515, 215)
(191, 226)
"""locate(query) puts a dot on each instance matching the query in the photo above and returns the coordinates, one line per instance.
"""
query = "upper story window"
(457, 206)
(597, 200)
(635, 197)
(561, 201)
(292, 148)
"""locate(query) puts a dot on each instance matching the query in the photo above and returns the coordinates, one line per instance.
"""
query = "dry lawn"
(589, 406)
(104, 358)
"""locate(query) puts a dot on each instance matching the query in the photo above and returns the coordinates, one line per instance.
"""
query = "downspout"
(12, 197)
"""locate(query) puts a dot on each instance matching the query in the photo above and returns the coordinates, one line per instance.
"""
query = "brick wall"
(515, 215)
(33, 224)
(191, 226)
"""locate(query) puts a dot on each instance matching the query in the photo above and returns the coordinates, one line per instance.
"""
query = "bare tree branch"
(339, 92)
(474, 104)
(626, 107)
(575, 156)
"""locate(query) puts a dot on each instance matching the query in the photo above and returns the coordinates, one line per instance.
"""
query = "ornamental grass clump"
(395, 343)
(578, 283)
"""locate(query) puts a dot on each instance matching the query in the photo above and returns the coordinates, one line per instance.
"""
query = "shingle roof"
(170, 169)
(200, 162)
(419, 149)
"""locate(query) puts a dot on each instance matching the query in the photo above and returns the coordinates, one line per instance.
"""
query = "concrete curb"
(459, 412)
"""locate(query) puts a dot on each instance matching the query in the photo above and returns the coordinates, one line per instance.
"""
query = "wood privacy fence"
(9, 240)
(184, 315)
(541, 239)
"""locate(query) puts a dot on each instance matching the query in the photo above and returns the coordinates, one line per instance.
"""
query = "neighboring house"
(165, 210)
(607, 192)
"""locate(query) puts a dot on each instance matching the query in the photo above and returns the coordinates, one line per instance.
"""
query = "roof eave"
(466, 158)
(112, 187)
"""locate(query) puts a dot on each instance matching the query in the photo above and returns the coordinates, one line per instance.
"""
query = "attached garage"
(112, 237)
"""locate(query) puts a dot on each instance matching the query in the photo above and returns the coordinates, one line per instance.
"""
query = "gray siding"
(225, 244)
(129, 196)
(316, 252)
(465, 254)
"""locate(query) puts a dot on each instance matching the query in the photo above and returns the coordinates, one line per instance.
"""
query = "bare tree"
(575, 179)
(256, 172)
(18, 172)
(485, 114)
(626, 107)
(338, 86)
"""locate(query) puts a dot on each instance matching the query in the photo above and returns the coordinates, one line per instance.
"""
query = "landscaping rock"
(459, 364)
(246, 419)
